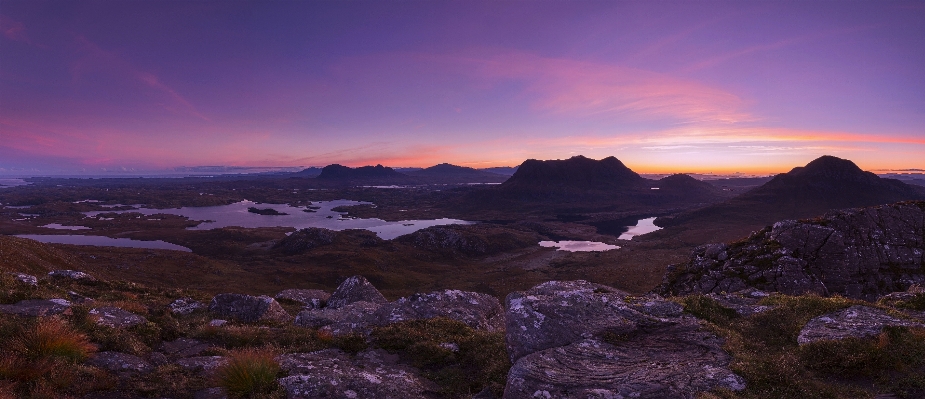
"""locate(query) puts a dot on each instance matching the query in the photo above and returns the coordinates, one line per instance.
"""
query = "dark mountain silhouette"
(576, 172)
(580, 185)
(824, 184)
(684, 185)
(366, 174)
(501, 170)
(308, 172)
(447, 173)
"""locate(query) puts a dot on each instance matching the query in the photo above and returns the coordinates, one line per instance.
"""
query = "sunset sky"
(753, 86)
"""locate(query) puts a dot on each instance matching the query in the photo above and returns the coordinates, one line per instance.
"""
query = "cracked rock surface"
(479, 311)
(857, 321)
(575, 339)
(332, 373)
(858, 253)
(247, 308)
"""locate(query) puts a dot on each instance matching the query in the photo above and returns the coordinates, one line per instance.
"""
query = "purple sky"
(687, 86)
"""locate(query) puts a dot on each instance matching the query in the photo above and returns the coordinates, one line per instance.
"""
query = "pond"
(318, 214)
(578, 246)
(103, 241)
(643, 226)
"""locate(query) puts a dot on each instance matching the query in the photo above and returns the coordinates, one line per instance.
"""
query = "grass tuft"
(249, 373)
(53, 338)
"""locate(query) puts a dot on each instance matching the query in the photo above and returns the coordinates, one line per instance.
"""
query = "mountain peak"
(829, 167)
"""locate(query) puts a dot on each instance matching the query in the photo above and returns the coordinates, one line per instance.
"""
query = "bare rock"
(217, 322)
(120, 362)
(355, 289)
(479, 311)
(744, 302)
(661, 366)
(575, 339)
(357, 317)
(312, 299)
(71, 274)
(116, 318)
(857, 321)
(202, 363)
(26, 279)
(185, 306)
(248, 309)
(184, 347)
(37, 307)
(858, 253)
(211, 393)
(334, 374)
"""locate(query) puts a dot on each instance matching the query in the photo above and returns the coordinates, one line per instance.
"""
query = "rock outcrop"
(113, 317)
(312, 299)
(185, 306)
(855, 322)
(248, 309)
(332, 373)
(71, 274)
(479, 311)
(575, 339)
(37, 307)
(858, 253)
(355, 289)
(355, 317)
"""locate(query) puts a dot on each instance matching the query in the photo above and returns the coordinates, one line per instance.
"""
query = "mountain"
(824, 184)
(366, 174)
(308, 172)
(575, 173)
(858, 253)
(501, 170)
(447, 173)
(684, 185)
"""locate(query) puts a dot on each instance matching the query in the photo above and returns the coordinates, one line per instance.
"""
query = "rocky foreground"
(562, 339)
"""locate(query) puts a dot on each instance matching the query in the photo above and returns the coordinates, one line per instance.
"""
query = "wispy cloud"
(584, 88)
(13, 30)
(97, 59)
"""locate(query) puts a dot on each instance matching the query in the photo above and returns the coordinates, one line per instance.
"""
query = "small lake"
(643, 226)
(578, 246)
(7, 183)
(58, 226)
(319, 214)
(103, 241)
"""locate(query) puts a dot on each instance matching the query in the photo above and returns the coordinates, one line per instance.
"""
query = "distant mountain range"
(459, 174)
(381, 175)
(824, 184)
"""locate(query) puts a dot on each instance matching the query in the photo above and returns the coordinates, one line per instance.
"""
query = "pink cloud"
(13, 30)
(584, 88)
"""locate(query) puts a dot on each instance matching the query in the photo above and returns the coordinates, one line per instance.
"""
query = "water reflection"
(578, 246)
(318, 214)
(103, 241)
(643, 226)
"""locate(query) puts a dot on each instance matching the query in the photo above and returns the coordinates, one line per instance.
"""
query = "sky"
(690, 86)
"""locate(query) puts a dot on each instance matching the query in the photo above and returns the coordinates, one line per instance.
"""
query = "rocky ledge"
(858, 253)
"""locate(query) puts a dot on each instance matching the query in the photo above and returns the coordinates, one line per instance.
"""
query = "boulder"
(858, 253)
(334, 374)
(71, 274)
(37, 307)
(744, 302)
(312, 299)
(479, 311)
(355, 289)
(120, 362)
(185, 306)
(248, 309)
(184, 347)
(575, 339)
(202, 363)
(116, 318)
(357, 317)
(857, 321)
(26, 279)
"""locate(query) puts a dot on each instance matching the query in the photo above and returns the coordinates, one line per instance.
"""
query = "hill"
(365, 174)
(447, 173)
(824, 184)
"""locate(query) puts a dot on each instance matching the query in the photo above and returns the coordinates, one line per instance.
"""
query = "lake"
(643, 226)
(578, 246)
(324, 216)
(103, 241)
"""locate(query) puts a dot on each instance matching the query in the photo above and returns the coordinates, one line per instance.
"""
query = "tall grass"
(53, 338)
(249, 373)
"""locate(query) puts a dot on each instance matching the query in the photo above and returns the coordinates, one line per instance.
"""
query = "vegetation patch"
(461, 360)
(250, 373)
